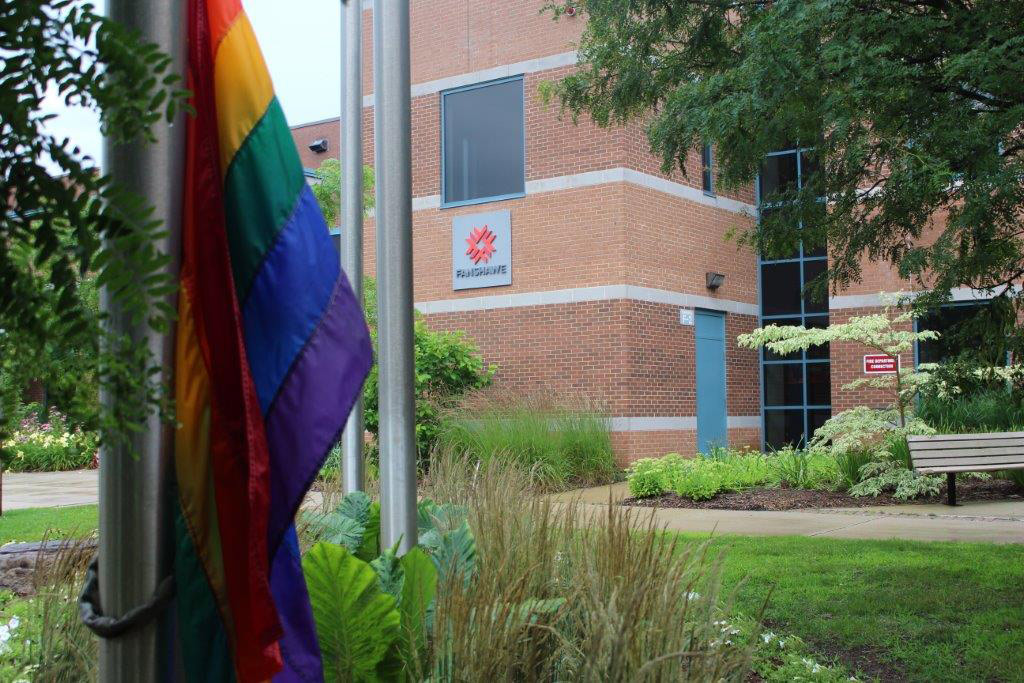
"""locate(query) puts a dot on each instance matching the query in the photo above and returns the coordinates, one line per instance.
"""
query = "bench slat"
(968, 459)
(973, 468)
(918, 438)
(967, 443)
(972, 452)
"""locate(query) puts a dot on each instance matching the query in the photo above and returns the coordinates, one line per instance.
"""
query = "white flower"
(767, 637)
(14, 623)
(5, 634)
(782, 643)
(693, 595)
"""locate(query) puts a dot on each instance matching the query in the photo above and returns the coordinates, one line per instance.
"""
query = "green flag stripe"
(261, 187)
(205, 652)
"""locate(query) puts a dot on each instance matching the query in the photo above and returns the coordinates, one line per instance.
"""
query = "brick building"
(595, 273)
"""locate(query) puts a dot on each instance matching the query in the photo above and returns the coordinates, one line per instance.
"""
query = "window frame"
(707, 169)
(476, 86)
(803, 315)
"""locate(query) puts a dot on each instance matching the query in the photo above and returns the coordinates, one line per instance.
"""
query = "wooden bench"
(952, 453)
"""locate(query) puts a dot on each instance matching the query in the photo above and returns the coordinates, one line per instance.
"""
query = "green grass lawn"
(899, 610)
(32, 523)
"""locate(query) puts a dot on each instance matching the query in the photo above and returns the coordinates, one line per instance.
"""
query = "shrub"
(447, 367)
(697, 482)
(51, 445)
(563, 442)
(699, 478)
(890, 477)
(646, 478)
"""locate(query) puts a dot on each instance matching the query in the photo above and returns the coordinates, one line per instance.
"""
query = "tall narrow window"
(707, 163)
(797, 386)
(482, 143)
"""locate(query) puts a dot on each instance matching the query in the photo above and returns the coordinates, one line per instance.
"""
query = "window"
(797, 386)
(482, 143)
(960, 326)
(707, 162)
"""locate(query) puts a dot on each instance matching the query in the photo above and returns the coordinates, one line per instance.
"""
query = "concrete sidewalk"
(49, 489)
(994, 522)
(991, 521)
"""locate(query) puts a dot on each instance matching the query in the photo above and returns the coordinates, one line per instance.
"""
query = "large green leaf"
(343, 531)
(455, 554)
(390, 575)
(370, 547)
(356, 622)
(355, 505)
(419, 587)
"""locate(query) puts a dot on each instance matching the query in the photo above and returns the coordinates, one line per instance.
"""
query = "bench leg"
(950, 488)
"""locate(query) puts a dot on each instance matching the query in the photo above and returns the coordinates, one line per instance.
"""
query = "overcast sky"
(301, 42)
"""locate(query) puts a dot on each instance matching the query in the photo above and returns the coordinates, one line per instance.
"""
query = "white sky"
(301, 41)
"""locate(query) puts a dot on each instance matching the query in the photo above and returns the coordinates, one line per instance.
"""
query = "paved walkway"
(996, 522)
(49, 489)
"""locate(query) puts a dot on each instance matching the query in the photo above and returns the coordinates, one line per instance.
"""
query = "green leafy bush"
(697, 483)
(51, 445)
(447, 366)
(645, 477)
(699, 478)
(890, 477)
(562, 442)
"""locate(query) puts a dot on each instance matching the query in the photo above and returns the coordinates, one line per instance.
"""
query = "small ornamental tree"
(882, 332)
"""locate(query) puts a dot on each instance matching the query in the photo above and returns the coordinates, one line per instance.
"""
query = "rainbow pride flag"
(272, 350)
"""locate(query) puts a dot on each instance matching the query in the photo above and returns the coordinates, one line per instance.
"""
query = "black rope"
(108, 627)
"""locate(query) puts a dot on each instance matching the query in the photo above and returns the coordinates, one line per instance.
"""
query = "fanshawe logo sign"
(482, 250)
(880, 364)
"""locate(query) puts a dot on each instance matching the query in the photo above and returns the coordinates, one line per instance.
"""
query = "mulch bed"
(18, 563)
(797, 499)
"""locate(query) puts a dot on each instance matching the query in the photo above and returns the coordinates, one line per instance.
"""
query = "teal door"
(709, 331)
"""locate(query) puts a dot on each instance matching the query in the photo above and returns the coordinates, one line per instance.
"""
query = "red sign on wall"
(879, 364)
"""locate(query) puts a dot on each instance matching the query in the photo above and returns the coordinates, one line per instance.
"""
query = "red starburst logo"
(481, 244)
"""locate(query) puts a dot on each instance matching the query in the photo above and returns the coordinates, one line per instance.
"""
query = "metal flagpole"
(393, 161)
(134, 546)
(352, 211)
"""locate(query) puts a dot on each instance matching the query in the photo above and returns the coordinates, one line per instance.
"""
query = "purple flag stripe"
(314, 401)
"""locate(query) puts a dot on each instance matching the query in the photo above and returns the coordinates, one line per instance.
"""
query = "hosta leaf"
(356, 622)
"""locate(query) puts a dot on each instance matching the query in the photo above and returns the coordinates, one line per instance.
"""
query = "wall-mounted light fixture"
(319, 145)
(714, 280)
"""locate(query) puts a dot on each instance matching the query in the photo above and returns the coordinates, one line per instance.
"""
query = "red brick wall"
(554, 145)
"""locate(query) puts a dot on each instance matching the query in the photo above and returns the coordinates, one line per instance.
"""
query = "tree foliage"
(909, 110)
(64, 220)
(327, 189)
